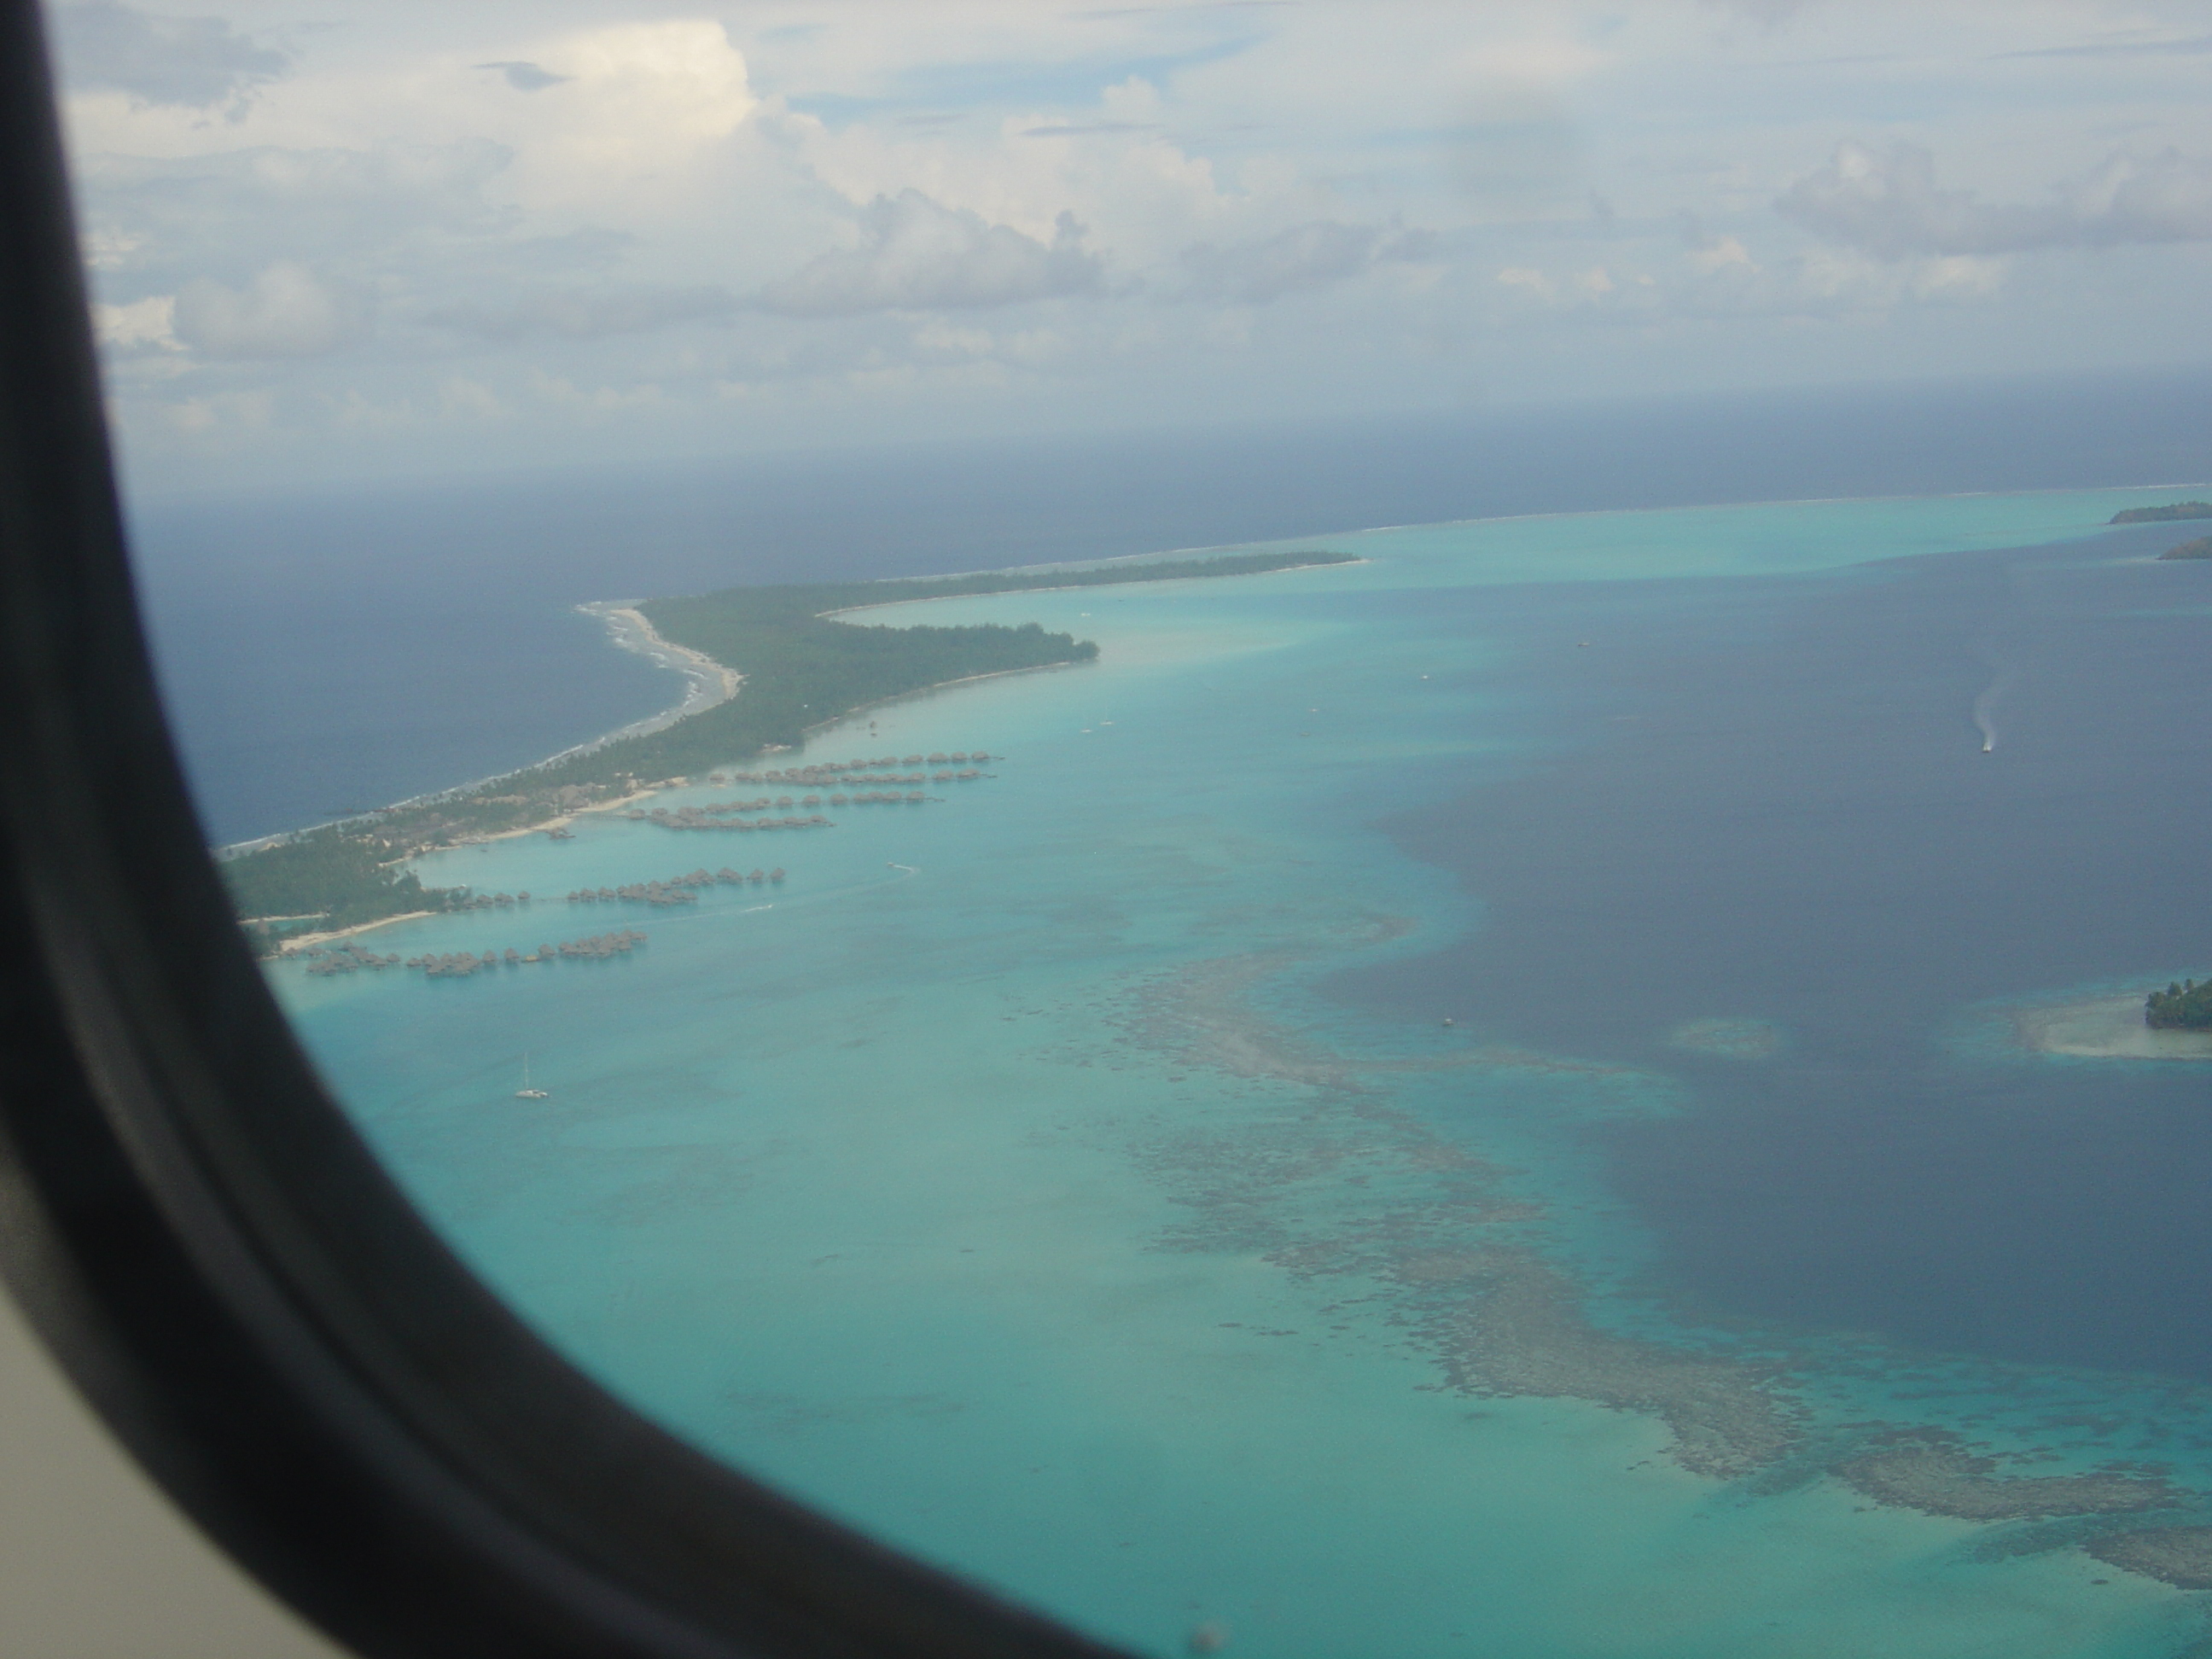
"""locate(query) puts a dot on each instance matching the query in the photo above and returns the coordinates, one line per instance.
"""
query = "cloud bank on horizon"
(413, 236)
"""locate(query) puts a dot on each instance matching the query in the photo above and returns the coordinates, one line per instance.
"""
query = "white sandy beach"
(2109, 1028)
(709, 681)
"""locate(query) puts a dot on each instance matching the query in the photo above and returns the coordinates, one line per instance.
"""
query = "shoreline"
(712, 682)
(561, 822)
(299, 942)
(1078, 587)
(2105, 1028)
(941, 685)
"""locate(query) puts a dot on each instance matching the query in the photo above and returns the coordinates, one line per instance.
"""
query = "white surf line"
(707, 683)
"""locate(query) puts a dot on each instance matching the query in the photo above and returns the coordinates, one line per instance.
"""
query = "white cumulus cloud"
(586, 313)
(138, 326)
(284, 311)
(915, 254)
(187, 63)
(1889, 204)
(1310, 255)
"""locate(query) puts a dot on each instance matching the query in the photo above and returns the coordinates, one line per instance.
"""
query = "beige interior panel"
(95, 1563)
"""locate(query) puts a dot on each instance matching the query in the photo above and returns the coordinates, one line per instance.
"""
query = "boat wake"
(1985, 711)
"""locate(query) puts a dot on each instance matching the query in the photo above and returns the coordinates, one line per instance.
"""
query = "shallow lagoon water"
(1074, 1180)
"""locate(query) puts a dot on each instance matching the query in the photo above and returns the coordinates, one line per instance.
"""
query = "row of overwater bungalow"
(701, 818)
(460, 964)
(822, 772)
(676, 890)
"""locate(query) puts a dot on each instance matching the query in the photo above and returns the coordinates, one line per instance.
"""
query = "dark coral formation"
(2181, 1556)
(1936, 1472)
(1324, 1178)
(1338, 1183)
(1512, 1324)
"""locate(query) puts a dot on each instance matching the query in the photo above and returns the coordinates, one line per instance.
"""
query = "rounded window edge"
(218, 1262)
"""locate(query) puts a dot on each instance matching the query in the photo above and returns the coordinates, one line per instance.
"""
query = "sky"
(352, 241)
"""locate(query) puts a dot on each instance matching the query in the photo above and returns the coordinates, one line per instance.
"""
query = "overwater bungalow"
(512, 956)
(757, 876)
(775, 875)
(914, 797)
(958, 757)
(837, 801)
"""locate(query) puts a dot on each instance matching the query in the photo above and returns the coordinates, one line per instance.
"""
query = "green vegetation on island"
(327, 878)
(2199, 548)
(803, 667)
(2163, 515)
(2184, 1008)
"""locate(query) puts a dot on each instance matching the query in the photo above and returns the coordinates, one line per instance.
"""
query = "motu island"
(2199, 548)
(2187, 1007)
(2163, 515)
(801, 668)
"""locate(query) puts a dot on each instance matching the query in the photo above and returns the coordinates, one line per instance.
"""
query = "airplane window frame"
(214, 1255)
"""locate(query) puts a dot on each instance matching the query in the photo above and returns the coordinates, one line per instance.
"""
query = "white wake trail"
(1985, 711)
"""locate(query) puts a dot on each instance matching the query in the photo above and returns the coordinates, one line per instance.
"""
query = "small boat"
(526, 1092)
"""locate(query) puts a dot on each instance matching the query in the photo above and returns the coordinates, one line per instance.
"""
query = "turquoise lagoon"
(1019, 1183)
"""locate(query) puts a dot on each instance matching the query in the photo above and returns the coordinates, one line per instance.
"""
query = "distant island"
(2163, 515)
(2199, 548)
(802, 667)
(2184, 1008)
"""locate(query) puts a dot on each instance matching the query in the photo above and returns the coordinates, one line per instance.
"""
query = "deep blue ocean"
(1765, 796)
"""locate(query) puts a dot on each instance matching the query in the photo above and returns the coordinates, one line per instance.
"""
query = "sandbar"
(2108, 1028)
